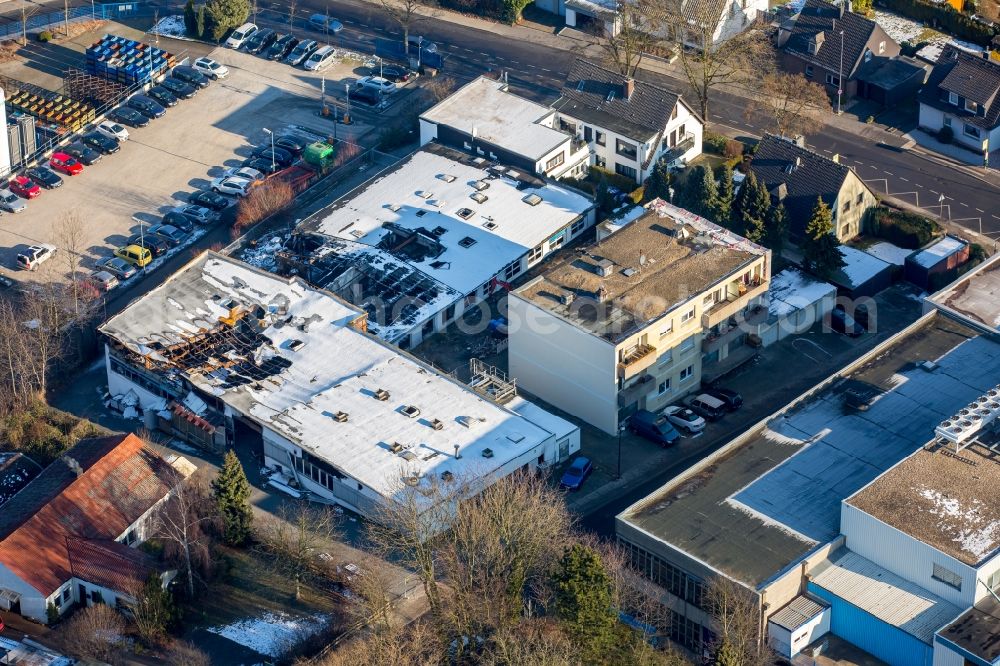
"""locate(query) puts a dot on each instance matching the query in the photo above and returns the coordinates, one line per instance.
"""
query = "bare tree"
(793, 104)
(739, 59)
(292, 5)
(97, 632)
(535, 642)
(411, 645)
(66, 17)
(27, 11)
(296, 537)
(183, 523)
(736, 613)
(70, 236)
(440, 87)
(624, 50)
(406, 13)
(183, 653)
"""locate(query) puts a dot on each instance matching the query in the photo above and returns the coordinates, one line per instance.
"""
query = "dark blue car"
(576, 474)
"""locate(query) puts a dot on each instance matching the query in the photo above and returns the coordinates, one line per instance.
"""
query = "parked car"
(320, 58)
(117, 267)
(368, 96)
(105, 144)
(179, 89)
(24, 187)
(654, 427)
(708, 406)
(6, 283)
(281, 47)
(232, 185)
(263, 165)
(11, 203)
(147, 106)
(179, 220)
(83, 152)
(378, 83)
(290, 143)
(163, 96)
(416, 41)
(865, 319)
(324, 23)
(196, 214)
(731, 399)
(103, 281)
(261, 40)
(134, 254)
(396, 73)
(113, 130)
(209, 199)
(189, 74)
(684, 419)
(128, 116)
(44, 176)
(34, 256)
(173, 235)
(238, 37)
(210, 68)
(576, 473)
(249, 173)
(279, 155)
(65, 163)
(157, 245)
(303, 50)
(841, 322)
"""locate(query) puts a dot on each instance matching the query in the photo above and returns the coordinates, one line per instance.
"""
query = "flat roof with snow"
(975, 296)
(456, 218)
(944, 248)
(288, 356)
(792, 290)
(487, 110)
(859, 267)
(760, 507)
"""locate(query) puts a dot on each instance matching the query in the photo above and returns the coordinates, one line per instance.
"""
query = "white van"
(320, 58)
(241, 35)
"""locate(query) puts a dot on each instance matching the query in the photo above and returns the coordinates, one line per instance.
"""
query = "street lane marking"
(919, 185)
(906, 179)
(981, 210)
(964, 204)
(889, 172)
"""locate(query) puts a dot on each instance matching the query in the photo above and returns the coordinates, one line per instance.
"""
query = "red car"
(24, 187)
(65, 163)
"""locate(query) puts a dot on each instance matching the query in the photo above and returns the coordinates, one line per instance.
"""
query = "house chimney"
(629, 87)
(836, 158)
(602, 294)
(475, 131)
(798, 161)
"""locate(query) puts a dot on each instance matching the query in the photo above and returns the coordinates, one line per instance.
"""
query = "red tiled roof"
(108, 493)
(109, 564)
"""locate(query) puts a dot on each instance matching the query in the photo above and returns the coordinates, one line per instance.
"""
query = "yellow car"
(135, 255)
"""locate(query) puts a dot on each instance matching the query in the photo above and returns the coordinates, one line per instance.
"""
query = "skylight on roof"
(580, 84)
(490, 224)
(532, 199)
(481, 185)
(467, 242)
(478, 197)
(424, 194)
(446, 177)
(465, 213)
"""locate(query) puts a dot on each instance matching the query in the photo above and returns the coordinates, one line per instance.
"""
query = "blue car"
(576, 474)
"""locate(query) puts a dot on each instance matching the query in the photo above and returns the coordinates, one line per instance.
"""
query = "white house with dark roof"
(628, 124)
(963, 93)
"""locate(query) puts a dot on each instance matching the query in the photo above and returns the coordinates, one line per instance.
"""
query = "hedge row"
(902, 228)
(944, 17)
(507, 11)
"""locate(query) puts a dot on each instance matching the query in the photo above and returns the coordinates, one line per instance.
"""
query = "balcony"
(740, 324)
(685, 144)
(636, 360)
(740, 296)
(630, 394)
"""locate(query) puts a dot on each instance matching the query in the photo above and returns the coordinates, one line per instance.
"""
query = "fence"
(38, 22)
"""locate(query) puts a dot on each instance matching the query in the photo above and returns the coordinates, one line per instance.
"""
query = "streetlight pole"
(840, 73)
(271, 134)
(420, 47)
(621, 431)
(347, 113)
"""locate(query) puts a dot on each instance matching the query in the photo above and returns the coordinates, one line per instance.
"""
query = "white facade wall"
(562, 364)
(428, 131)
(32, 602)
(736, 16)
(932, 119)
(790, 643)
(118, 385)
(945, 656)
(905, 556)
(985, 571)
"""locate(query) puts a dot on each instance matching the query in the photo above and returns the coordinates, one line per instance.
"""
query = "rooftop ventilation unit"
(970, 420)
(567, 298)
(487, 453)
(408, 455)
(357, 233)
(467, 421)
(532, 199)
(479, 197)
(489, 224)
(605, 267)
(411, 410)
(437, 424)
(629, 272)
(382, 395)
(467, 242)
(439, 231)
(340, 417)
(447, 476)
(465, 213)
(447, 177)
(396, 447)
(424, 194)
(481, 185)
(394, 207)
(296, 345)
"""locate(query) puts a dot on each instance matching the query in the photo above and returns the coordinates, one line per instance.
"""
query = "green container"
(319, 154)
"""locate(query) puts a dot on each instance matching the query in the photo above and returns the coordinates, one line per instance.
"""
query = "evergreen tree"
(820, 248)
(777, 229)
(191, 19)
(701, 193)
(199, 21)
(153, 610)
(583, 600)
(723, 212)
(658, 184)
(739, 202)
(221, 15)
(232, 494)
(726, 655)
(753, 205)
(603, 198)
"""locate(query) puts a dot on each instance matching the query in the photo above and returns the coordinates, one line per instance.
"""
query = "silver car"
(10, 202)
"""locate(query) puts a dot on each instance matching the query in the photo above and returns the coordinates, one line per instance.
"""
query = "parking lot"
(176, 154)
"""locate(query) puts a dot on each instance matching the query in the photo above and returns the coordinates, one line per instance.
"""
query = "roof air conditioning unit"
(447, 177)
(340, 417)
(447, 476)
(437, 424)
(567, 298)
(487, 453)
(605, 267)
(396, 447)
(467, 421)
(411, 410)
(382, 395)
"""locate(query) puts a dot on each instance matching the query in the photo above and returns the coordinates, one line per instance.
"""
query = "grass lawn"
(249, 588)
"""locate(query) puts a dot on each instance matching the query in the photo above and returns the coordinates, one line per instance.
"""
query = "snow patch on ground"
(972, 530)
(271, 634)
(904, 29)
(171, 26)
(889, 253)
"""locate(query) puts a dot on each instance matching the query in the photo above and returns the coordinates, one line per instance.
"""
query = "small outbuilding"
(939, 259)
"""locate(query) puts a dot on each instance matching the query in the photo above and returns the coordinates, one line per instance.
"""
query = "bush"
(263, 201)
(581, 184)
(945, 135)
(637, 194)
(45, 36)
(623, 183)
(902, 228)
(394, 137)
(944, 17)
(714, 143)
(732, 149)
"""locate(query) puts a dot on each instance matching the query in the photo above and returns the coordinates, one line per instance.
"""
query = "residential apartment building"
(487, 120)
(854, 510)
(628, 124)
(636, 320)
(796, 177)
(328, 408)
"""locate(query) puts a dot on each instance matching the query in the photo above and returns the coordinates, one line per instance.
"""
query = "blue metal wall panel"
(890, 644)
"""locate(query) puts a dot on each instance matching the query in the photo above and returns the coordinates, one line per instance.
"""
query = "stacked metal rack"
(127, 61)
